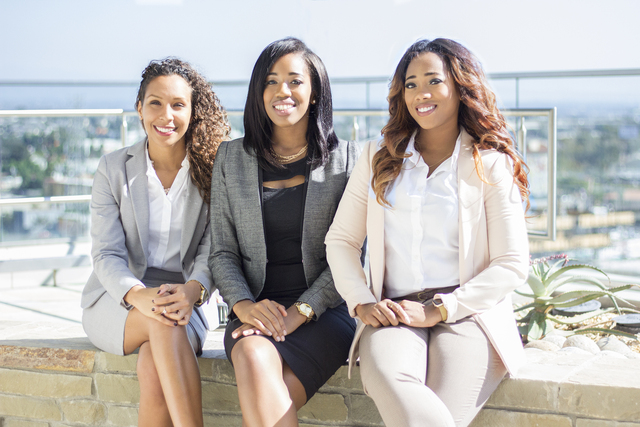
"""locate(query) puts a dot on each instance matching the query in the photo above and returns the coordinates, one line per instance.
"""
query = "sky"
(81, 40)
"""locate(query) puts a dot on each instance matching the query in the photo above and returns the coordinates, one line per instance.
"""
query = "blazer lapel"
(190, 216)
(470, 205)
(136, 168)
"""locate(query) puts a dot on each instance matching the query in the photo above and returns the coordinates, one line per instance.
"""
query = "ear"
(139, 110)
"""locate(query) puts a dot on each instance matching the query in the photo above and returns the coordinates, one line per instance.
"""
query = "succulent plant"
(546, 277)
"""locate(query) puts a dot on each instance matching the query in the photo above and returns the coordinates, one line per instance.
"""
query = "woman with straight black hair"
(274, 194)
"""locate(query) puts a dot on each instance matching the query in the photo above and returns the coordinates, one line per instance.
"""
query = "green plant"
(545, 280)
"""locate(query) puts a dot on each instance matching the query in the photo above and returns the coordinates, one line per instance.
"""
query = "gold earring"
(313, 102)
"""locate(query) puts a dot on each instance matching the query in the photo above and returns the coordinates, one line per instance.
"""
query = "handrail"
(551, 113)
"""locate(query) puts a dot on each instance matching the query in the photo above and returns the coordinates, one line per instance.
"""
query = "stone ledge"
(553, 389)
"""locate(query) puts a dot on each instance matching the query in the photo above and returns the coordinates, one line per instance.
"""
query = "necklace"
(433, 165)
(284, 159)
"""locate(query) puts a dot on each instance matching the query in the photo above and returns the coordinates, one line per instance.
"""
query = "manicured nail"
(153, 301)
(175, 323)
(153, 309)
(158, 291)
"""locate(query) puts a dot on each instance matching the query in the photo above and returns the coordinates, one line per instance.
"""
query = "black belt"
(425, 294)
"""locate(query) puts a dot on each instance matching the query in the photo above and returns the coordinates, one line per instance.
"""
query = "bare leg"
(175, 363)
(153, 409)
(269, 392)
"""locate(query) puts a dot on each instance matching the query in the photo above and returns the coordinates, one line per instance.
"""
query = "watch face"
(305, 309)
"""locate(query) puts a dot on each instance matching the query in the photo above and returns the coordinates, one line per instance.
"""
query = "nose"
(423, 94)
(167, 112)
(283, 91)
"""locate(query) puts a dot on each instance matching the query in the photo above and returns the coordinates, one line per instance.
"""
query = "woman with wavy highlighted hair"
(440, 198)
(150, 242)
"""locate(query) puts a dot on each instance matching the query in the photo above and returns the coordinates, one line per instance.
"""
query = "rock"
(614, 354)
(575, 350)
(583, 343)
(558, 340)
(542, 345)
(612, 343)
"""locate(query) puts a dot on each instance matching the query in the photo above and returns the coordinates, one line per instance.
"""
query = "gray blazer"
(120, 228)
(238, 257)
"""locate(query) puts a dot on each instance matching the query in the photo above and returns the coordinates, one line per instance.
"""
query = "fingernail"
(153, 301)
(153, 309)
(158, 291)
(175, 323)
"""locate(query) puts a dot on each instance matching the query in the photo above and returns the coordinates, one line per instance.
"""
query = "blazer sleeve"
(108, 249)
(507, 243)
(322, 293)
(347, 234)
(225, 260)
(201, 271)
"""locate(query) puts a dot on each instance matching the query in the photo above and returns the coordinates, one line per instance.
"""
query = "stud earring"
(313, 102)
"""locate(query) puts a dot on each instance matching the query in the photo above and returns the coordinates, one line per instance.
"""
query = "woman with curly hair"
(151, 237)
(276, 192)
(440, 200)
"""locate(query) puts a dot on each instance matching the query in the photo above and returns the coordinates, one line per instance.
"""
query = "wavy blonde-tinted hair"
(478, 114)
(208, 126)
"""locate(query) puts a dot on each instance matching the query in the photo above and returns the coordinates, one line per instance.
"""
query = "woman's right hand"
(142, 299)
(382, 313)
(266, 315)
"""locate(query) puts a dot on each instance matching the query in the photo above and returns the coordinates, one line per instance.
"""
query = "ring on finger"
(391, 304)
(164, 311)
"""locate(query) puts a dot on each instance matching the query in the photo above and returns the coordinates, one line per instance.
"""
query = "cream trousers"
(429, 377)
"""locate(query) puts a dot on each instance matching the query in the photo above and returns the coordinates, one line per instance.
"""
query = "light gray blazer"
(120, 228)
(238, 256)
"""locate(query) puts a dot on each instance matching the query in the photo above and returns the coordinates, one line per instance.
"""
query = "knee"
(253, 354)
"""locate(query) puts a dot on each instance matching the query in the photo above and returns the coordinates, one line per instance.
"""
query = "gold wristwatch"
(203, 295)
(306, 310)
(437, 302)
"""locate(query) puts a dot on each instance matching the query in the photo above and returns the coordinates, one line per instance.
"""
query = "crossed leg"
(270, 393)
(170, 389)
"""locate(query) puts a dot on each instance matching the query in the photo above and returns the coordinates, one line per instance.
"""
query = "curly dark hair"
(208, 126)
(478, 114)
(257, 125)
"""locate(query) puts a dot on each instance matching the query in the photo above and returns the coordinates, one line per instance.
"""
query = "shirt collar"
(416, 159)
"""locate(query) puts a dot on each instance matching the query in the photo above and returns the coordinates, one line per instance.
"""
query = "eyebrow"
(151, 95)
(433, 73)
(291, 74)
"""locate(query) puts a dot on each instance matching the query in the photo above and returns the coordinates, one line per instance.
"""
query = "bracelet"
(204, 295)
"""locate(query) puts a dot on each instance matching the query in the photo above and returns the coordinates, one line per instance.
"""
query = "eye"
(179, 105)
(409, 85)
(435, 81)
(270, 82)
(296, 82)
(154, 102)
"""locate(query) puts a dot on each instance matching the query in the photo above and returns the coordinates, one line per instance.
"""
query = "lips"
(164, 130)
(424, 110)
(283, 108)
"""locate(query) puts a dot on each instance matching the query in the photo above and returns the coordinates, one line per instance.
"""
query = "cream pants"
(429, 377)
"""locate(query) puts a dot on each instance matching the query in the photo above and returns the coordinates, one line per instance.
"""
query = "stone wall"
(73, 384)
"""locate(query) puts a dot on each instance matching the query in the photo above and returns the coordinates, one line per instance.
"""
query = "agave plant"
(546, 277)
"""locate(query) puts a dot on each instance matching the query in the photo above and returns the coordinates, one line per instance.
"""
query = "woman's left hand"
(420, 315)
(176, 300)
(292, 321)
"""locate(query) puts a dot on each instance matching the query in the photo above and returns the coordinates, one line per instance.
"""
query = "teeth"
(425, 109)
(165, 130)
(283, 107)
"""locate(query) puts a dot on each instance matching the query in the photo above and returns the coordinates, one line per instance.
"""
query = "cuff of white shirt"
(450, 303)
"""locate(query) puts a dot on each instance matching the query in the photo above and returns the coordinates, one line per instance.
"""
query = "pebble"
(614, 354)
(583, 343)
(557, 339)
(542, 345)
(575, 350)
(612, 343)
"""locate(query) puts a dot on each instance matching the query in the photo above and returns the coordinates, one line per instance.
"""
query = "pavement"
(33, 310)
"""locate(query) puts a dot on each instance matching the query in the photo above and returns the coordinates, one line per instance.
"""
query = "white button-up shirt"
(165, 217)
(421, 227)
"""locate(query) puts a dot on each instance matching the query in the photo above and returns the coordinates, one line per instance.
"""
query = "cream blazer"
(493, 247)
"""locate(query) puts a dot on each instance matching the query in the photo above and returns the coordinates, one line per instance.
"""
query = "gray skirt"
(105, 320)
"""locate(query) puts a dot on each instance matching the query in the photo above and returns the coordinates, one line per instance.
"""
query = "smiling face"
(287, 92)
(165, 110)
(430, 93)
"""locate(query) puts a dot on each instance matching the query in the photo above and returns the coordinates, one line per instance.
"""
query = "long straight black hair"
(258, 128)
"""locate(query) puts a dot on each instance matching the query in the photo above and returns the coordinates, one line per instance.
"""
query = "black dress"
(317, 349)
